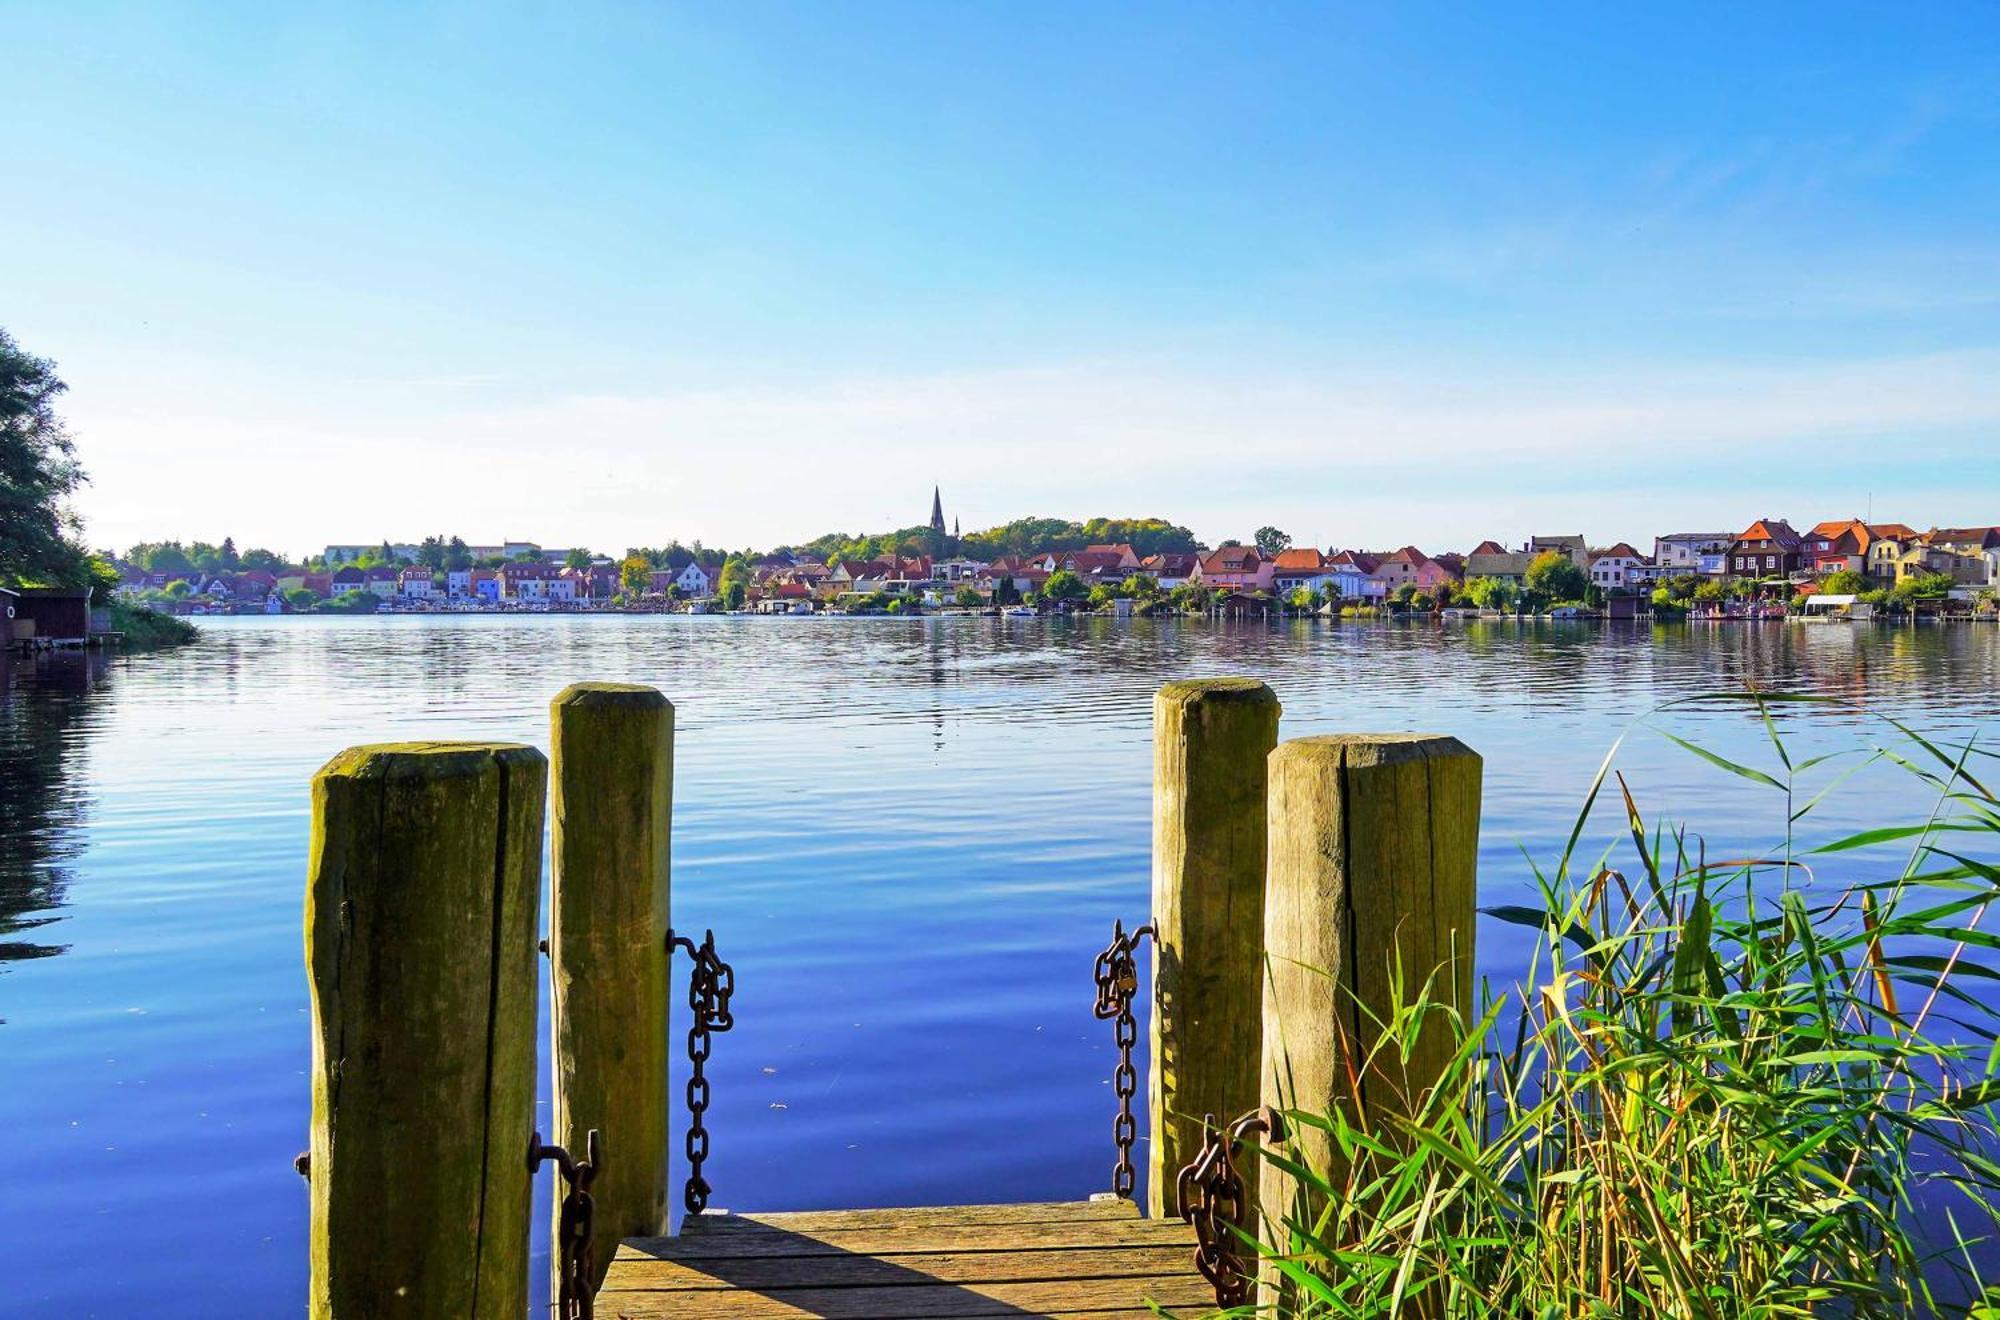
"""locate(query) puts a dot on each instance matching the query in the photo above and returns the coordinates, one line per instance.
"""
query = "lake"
(910, 837)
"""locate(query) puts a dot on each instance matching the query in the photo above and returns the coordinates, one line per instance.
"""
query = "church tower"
(937, 511)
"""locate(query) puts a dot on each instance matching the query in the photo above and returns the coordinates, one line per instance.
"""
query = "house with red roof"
(1234, 567)
(1767, 548)
(1170, 568)
(1617, 568)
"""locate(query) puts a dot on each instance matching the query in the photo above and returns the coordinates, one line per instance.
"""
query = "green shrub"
(1725, 1088)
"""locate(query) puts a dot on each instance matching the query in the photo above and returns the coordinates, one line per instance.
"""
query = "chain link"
(1209, 1195)
(576, 1260)
(710, 985)
(1117, 977)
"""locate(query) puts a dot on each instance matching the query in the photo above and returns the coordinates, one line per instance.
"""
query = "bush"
(1722, 1090)
(149, 630)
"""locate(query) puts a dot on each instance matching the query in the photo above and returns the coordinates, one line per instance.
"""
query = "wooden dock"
(1094, 1259)
(1352, 854)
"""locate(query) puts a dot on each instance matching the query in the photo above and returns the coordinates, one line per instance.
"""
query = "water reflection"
(43, 806)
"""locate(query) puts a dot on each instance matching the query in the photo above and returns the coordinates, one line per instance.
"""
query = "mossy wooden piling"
(422, 903)
(1211, 741)
(613, 772)
(1373, 850)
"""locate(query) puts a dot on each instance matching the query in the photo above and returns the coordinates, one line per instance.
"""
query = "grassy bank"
(1753, 1085)
(150, 630)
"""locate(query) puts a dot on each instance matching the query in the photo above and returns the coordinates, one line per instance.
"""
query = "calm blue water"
(910, 837)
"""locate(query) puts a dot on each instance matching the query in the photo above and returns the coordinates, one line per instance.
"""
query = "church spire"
(937, 511)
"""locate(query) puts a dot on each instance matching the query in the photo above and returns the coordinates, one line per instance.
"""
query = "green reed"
(1726, 1087)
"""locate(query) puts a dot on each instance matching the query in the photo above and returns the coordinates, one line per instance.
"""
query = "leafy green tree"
(967, 598)
(1064, 585)
(1140, 586)
(431, 552)
(1710, 592)
(302, 598)
(38, 473)
(734, 594)
(161, 557)
(635, 575)
(1846, 582)
(457, 557)
(1301, 600)
(1270, 541)
(179, 588)
(267, 561)
(1554, 576)
(227, 559)
(1923, 586)
(578, 558)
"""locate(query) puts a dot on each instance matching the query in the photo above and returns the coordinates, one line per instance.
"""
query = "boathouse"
(53, 615)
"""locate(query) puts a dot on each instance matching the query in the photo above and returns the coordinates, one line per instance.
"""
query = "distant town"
(1844, 567)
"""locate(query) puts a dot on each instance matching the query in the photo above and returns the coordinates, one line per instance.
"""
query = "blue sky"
(751, 272)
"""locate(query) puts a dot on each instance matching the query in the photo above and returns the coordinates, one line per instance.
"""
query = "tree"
(38, 473)
(967, 598)
(1140, 586)
(635, 575)
(228, 559)
(1846, 582)
(578, 558)
(734, 594)
(1709, 593)
(301, 598)
(259, 560)
(1270, 541)
(1554, 576)
(1064, 585)
(1301, 600)
(178, 588)
(430, 553)
(457, 557)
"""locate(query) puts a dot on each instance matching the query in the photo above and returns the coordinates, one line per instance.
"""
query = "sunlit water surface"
(909, 836)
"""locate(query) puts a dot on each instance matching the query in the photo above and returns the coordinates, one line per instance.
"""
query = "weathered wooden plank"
(712, 1245)
(1211, 740)
(421, 908)
(612, 808)
(810, 1221)
(944, 1301)
(1373, 847)
(791, 1271)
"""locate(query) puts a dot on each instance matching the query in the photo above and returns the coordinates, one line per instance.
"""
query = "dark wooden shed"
(59, 615)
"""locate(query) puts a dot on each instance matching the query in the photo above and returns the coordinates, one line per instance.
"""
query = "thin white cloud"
(1400, 456)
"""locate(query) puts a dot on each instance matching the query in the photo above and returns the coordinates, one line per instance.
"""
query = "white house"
(458, 583)
(415, 584)
(1692, 552)
(697, 582)
(1619, 566)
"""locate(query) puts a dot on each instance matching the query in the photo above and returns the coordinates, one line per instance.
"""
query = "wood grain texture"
(1373, 852)
(610, 988)
(1211, 742)
(422, 902)
(1049, 1259)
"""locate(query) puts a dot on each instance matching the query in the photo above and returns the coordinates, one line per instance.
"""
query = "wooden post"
(613, 746)
(421, 908)
(1374, 842)
(1211, 740)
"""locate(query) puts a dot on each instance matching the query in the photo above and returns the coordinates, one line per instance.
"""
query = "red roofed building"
(1235, 566)
(1766, 548)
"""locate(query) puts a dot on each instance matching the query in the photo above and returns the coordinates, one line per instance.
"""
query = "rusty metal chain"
(710, 985)
(1117, 976)
(1209, 1195)
(575, 1262)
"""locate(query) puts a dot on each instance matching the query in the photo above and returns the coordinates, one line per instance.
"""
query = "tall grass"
(1727, 1086)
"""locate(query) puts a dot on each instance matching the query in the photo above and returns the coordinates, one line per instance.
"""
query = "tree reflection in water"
(42, 799)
